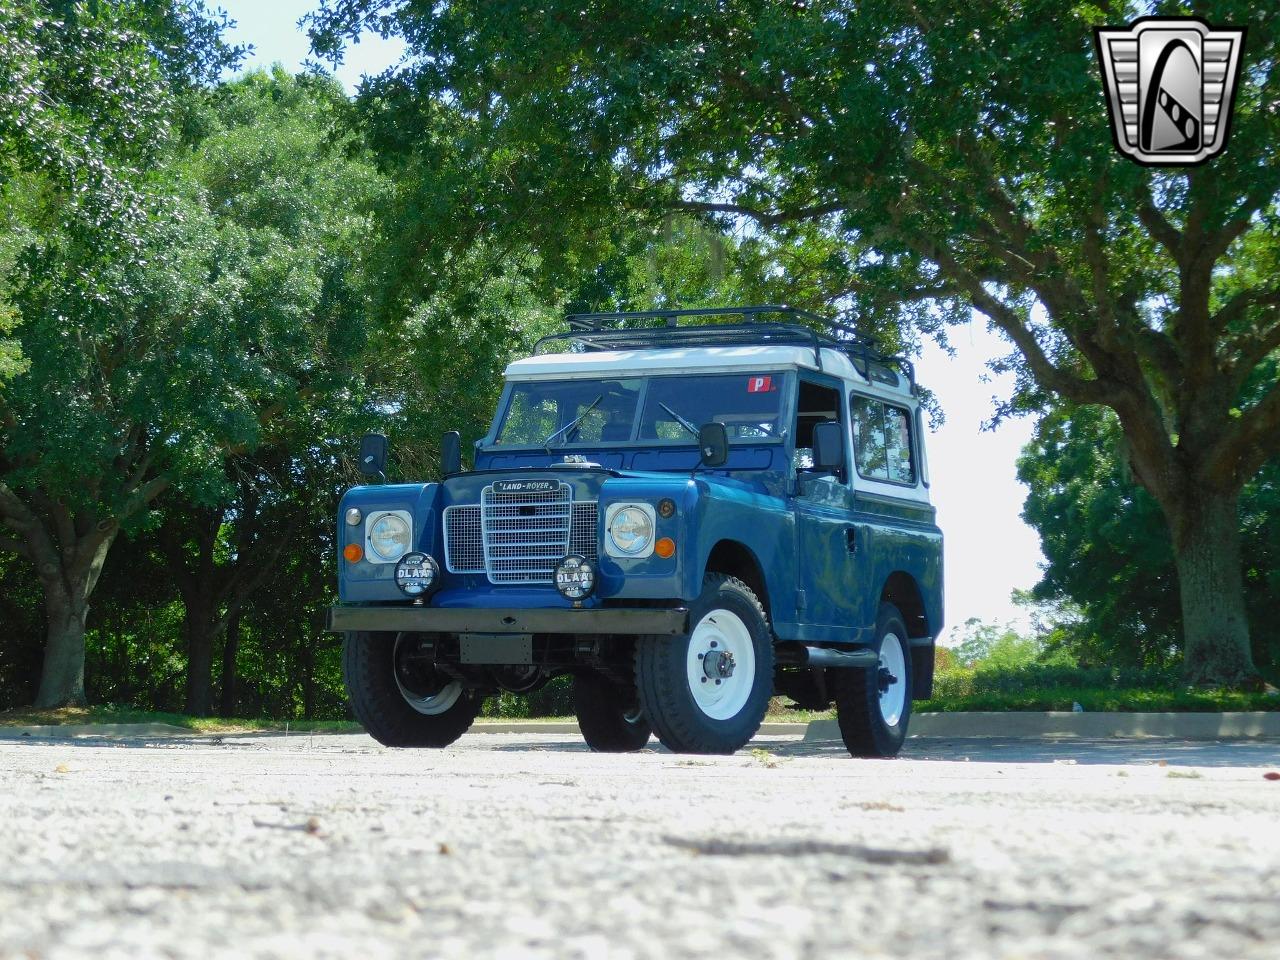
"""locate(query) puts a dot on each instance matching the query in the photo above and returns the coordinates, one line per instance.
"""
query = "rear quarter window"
(882, 441)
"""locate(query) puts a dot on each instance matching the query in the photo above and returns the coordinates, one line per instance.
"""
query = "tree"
(945, 159)
(142, 368)
(996, 647)
(83, 110)
(289, 200)
(1107, 547)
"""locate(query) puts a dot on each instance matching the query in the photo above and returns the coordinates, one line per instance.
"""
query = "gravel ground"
(526, 845)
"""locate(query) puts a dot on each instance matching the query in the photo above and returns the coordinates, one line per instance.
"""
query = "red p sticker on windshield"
(760, 385)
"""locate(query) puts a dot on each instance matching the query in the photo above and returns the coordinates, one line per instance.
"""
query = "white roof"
(617, 363)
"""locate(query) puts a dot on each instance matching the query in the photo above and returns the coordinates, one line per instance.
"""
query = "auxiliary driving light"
(575, 577)
(416, 574)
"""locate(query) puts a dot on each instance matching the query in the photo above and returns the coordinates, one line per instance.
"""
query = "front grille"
(582, 532)
(518, 537)
(463, 539)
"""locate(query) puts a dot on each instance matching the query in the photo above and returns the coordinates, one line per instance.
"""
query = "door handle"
(851, 539)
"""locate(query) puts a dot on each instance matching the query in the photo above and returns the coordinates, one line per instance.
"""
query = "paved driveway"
(528, 846)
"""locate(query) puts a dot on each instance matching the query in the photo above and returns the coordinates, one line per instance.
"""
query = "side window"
(882, 441)
(816, 404)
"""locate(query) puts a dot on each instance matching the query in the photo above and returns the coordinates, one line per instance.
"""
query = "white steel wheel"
(434, 704)
(676, 677)
(873, 705)
(891, 677)
(427, 695)
(399, 697)
(721, 664)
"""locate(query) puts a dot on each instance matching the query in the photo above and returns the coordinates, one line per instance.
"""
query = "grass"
(111, 714)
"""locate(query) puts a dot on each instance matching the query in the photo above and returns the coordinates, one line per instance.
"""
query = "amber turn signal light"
(665, 548)
(353, 552)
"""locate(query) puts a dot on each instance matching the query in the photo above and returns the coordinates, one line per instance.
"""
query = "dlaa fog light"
(575, 577)
(416, 574)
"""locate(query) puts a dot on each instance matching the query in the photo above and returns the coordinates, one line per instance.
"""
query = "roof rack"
(614, 331)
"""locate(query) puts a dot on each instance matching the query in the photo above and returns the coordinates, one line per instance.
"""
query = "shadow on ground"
(1185, 753)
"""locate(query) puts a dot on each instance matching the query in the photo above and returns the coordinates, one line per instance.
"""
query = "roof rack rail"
(638, 330)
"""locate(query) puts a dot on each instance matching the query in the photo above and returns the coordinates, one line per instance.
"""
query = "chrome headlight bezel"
(399, 545)
(622, 523)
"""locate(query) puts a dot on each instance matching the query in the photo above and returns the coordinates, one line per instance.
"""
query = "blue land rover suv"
(688, 511)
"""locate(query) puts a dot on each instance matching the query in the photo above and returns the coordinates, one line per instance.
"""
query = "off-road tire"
(602, 710)
(663, 683)
(857, 696)
(379, 707)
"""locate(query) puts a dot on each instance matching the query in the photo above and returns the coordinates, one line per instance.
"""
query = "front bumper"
(632, 621)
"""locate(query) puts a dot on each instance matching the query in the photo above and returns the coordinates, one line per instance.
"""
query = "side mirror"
(828, 447)
(373, 455)
(451, 453)
(713, 444)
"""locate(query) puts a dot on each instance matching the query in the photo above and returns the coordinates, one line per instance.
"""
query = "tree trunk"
(1206, 543)
(308, 680)
(230, 647)
(200, 634)
(62, 677)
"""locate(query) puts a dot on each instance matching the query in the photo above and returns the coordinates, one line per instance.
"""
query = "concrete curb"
(1092, 726)
(569, 727)
(114, 731)
(73, 731)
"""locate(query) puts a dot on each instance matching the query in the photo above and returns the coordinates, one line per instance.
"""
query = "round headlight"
(354, 516)
(416, 574)
(631, 530)
(575, 577)
(389, 537)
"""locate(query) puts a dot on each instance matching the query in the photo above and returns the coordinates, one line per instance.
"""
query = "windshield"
(539, 411)
(656, 409)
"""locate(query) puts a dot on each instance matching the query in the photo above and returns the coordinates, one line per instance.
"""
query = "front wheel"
(400, 699)
(873, 706)
(707, 692)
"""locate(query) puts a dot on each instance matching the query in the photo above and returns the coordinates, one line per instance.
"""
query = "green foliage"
(993, 678)
(1108, 550)
(553, 700)
(990, 646)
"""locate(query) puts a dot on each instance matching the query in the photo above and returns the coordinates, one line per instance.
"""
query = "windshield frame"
(785, 413)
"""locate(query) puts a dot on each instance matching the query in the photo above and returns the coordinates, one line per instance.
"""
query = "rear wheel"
(706, 692)
(611, 721)
(873, 706)
(401, 700)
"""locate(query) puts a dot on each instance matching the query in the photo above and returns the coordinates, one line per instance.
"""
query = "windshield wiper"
(679, 419)
(569, 426)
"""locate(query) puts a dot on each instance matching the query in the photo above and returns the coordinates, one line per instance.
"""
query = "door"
(826, 540)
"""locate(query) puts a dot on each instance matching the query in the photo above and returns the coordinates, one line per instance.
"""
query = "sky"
(989, 551)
